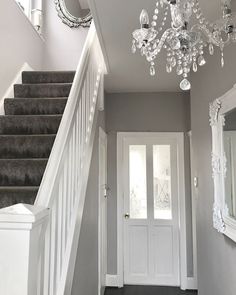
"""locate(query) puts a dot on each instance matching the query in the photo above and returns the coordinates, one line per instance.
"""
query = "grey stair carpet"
(26, 146)
(27, 133)
(36, 106)
(42, 90)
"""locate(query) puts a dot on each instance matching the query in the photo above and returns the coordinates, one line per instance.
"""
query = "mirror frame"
(222, 221)
(70, 20)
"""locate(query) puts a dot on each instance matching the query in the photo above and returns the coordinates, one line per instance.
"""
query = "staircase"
(27, 133)
(39, 242)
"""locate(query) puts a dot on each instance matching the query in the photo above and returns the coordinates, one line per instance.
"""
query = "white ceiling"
(115, 21)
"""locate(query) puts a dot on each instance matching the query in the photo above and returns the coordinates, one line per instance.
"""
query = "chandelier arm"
(163, 40)
(216, 41)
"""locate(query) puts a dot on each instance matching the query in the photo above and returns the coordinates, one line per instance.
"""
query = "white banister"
(63, 187)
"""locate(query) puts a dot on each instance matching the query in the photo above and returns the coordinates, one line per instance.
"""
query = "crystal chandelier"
(185, 40)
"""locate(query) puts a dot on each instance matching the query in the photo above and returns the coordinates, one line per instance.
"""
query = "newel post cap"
(23, 214)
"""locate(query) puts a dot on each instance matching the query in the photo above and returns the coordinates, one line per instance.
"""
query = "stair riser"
(34, 106)
(42, 90)
(12, 198)
(29, 124)
(25, 147)
(47, 77)
(21, 172)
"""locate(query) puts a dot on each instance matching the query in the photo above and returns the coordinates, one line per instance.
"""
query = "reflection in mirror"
(77, 8)
(230, 154)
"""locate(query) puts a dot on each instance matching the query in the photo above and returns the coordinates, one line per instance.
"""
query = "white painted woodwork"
(102, 214)
(62, 190)
(21, 236)
(223, 222)
(151, 251)
(193, 282)
(151, 246)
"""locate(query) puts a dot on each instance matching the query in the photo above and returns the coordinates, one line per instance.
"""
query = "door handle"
(127, 216)
(106, 191)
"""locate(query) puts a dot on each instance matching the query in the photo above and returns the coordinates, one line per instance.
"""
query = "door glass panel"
(137, 182)
(162, 182)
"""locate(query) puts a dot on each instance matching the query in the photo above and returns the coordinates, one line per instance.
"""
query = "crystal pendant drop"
(201, 61)
(142, 51)
(222, 61)
(211, 49)
(185, 85)
(195, 67)
(133, 48)
(179, 70)
(152, 71)
(168, 68)
(173, 62)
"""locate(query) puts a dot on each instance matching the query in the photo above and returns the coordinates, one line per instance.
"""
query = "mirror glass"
(77, 8)
(229, 134)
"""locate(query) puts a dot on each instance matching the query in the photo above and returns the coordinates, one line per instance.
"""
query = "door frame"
(102, 138)
(179, 137)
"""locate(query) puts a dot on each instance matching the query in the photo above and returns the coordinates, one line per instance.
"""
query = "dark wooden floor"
(147, 290)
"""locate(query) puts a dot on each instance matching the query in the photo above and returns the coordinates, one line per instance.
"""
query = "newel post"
(21, 234)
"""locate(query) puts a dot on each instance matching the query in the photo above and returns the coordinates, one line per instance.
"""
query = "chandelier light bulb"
(184, 40)
(144, 18)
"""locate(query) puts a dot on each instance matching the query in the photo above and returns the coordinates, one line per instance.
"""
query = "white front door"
(102, 212)
(151, 218)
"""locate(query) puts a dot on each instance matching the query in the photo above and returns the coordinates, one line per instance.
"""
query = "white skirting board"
(113, 281)
(10, 91)
(191, 283)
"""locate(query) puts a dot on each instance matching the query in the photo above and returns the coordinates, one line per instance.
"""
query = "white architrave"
(222, 222)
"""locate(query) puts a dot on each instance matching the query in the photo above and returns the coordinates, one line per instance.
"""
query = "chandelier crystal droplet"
(183, 42)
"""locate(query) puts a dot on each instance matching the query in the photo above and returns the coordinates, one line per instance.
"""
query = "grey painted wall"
(86, 267)
(159, 112)
(216, 253)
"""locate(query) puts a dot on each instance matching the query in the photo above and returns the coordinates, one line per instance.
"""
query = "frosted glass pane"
(162, 182)
(137, 182)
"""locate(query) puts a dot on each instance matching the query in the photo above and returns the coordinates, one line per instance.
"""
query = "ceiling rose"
(184, 42)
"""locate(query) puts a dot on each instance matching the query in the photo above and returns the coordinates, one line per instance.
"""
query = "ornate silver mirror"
(74, 13)
(223, 123)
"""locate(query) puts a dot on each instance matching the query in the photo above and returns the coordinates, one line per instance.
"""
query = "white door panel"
(138, 247)
(151, 221)
(163, 250)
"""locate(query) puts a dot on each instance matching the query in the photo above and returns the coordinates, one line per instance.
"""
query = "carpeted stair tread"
(11, 195)
(34, 106)
(25, 146)
(22, 172)
(27, 132)
(42, 90)
(29, 124)
(34, 77)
